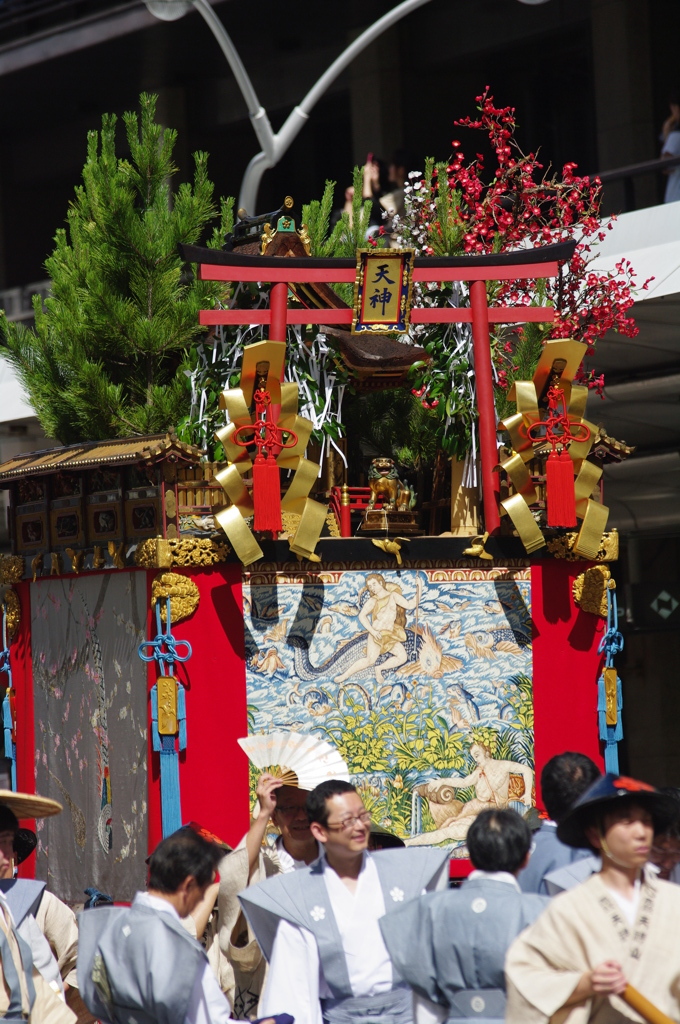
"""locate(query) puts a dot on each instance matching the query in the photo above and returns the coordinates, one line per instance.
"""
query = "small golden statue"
(398, 512)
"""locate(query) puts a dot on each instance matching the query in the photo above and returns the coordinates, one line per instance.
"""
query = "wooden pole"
(643, 1006)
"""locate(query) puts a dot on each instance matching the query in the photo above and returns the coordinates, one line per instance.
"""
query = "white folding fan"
(297, 759)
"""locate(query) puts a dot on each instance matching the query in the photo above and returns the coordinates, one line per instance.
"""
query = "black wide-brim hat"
(603, 796)
(388, 840)
(25, 842)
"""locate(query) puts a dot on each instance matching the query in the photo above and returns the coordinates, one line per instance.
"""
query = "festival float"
(445, 620)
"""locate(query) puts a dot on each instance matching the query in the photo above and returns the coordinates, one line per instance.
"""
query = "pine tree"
(107, 356)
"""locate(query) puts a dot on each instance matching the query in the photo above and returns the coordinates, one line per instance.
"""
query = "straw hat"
(603, 796)
(26, 805)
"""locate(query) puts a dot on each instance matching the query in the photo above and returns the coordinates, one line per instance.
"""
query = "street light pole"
(274, 145)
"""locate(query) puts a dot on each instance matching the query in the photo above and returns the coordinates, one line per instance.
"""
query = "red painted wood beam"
(308, 275)
(497, 315)
(208, 317)
(513, 272)
(421, 315)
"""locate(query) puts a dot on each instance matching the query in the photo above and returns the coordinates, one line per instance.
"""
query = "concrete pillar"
(626, 133)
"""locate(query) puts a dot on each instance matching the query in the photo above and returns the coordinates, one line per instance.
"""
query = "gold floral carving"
(77, 556)
(183, 594)
(563, 547)
(157, 553)
(436, 570)
(590, 590)
(11, 568)
(10, 601)
(291, 521)
(117, 553)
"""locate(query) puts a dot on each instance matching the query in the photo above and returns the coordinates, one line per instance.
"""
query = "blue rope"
(169, 656)
(165, 746)
(7, 724)
(611, 644)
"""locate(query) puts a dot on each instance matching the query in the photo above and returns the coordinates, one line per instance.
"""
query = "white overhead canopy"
(642, 399)
(650, 239)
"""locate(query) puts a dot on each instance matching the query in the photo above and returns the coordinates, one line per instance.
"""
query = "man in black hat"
(25, 992)
(613, 931)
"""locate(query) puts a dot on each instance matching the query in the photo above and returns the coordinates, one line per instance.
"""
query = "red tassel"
(266, 494)
(560, 490)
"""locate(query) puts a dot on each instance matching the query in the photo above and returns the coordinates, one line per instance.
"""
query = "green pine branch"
(107, 355)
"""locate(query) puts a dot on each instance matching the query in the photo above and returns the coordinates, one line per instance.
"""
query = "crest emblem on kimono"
(318, 913)
(397, 894)
(478, 906)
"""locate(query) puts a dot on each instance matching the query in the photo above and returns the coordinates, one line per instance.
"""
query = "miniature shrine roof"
(539, 254)
(118, 451)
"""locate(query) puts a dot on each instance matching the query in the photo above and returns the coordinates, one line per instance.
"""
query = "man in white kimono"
(25, 996)
(617, 929)
(319, 929)
(563, 779)
(450, 946)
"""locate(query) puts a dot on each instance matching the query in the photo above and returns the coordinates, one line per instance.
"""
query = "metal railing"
(15, 12)
(628, 174)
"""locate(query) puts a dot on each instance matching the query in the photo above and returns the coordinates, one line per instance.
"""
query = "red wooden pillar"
(485, 403)
(278, 306)
(22, 677)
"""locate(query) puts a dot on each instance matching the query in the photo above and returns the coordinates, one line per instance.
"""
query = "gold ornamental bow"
(559, 362)
(267, 357)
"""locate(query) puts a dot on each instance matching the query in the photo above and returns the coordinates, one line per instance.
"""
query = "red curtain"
(213, 769)
(566, 665)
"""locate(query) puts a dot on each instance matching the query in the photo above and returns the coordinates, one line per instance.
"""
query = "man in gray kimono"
(138, 965)
(450, 946)
(318, 926)
(563, 779)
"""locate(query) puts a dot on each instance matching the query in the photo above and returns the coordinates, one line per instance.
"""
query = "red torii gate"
(528, 264)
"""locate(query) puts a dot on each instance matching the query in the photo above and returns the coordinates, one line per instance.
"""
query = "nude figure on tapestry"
(495, 784)
(383, 616)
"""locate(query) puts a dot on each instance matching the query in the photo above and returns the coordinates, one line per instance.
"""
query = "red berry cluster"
(519, 205)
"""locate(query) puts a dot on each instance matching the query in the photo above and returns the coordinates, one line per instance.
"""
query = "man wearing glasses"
(318, 926)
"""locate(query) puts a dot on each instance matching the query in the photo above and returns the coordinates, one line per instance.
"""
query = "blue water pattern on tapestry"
(407, 674)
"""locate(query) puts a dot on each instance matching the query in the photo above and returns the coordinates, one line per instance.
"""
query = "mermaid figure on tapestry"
(385, 644)
(496, 783)
(383, 616)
